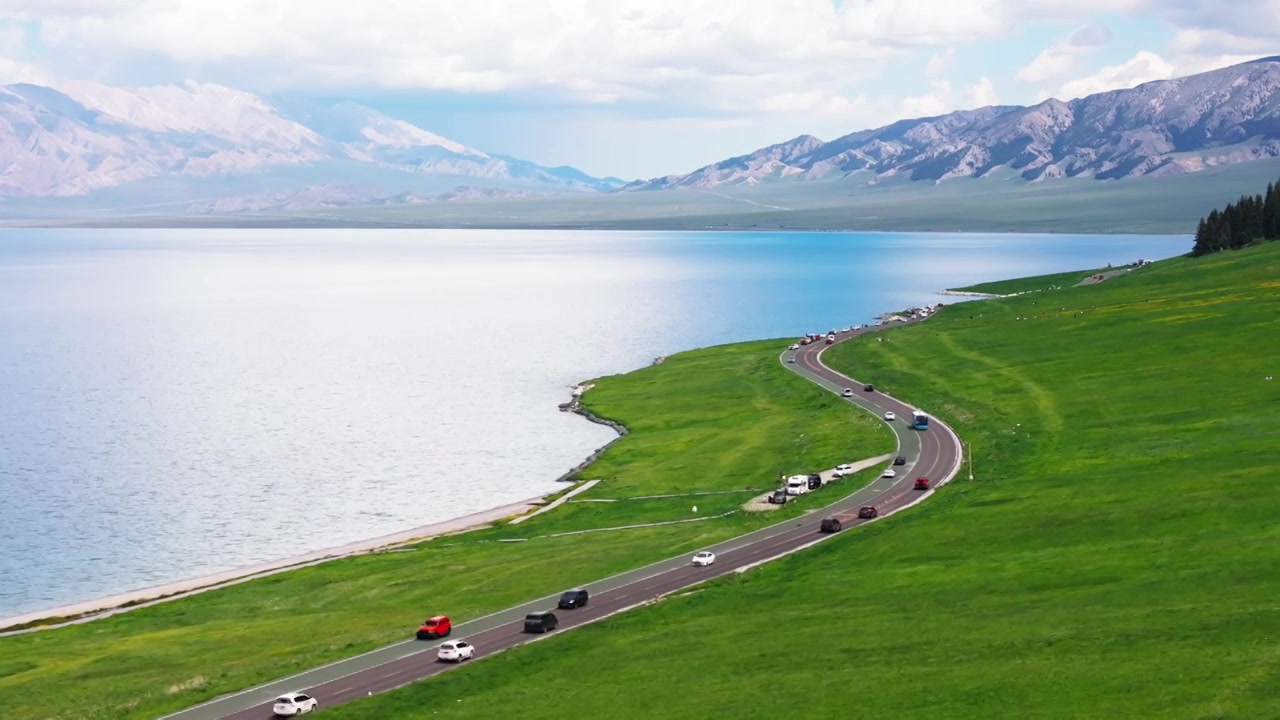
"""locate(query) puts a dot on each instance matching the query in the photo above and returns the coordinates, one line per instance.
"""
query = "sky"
(637, 88)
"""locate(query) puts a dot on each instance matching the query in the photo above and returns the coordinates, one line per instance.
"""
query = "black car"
(540, 622)
(867, 512)
(900, 460)
(815, 481)
(573, 599)
(830, 525)
(779, 497)
(869, 387)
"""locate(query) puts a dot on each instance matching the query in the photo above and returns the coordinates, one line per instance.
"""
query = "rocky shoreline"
(575, 406)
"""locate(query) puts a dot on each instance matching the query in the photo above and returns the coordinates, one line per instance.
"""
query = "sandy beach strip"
(123, 602)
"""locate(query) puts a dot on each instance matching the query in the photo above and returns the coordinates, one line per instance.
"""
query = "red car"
(831, 341)
(805, 341)
(922, 483)
(435, 627)
(867, 512)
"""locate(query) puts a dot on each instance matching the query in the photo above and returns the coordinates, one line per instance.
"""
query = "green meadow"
(1115, 556)
(708, 420)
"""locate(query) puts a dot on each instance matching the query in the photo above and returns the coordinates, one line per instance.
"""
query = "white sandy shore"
(102, 607)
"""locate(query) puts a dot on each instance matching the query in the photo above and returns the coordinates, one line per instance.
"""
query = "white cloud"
(1143, 67)
(1059, 60)
(940, 65)
(944, 99)
(725, 55)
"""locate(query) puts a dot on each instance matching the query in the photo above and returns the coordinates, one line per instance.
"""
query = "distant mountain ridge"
(85, 137)
(1164, 127)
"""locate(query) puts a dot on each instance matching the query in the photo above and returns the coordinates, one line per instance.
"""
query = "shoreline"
(106, 606)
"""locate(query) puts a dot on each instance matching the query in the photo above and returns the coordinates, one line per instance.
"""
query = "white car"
(842, 470)
(795, 346)
(846, 330)
(889, 472)
(456, 651)
(704, 558)
(848, 392)
(294, 703)
(890, 416)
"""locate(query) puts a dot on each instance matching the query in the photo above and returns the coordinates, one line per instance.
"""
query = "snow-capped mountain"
(85, 137)
(1159, 128)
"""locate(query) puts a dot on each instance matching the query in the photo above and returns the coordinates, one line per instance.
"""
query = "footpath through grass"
(718, 419)
(1115, 557)
(1034, 283)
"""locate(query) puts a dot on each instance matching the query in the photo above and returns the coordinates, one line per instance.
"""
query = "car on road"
(805, 341)
(541, 622)
(900, 460)
(842, 470)
(456, 651)
(847, 329)
(889, 416)
(869, 387)
(294, 703)
(922, 483)
(889, 472)
(830, 525)
(703, 558)
(570, 599)
(795, 346)
(435, 627)
(791, 359)
(779, 497)
(867, 512)
(831, 339)
(848, 392)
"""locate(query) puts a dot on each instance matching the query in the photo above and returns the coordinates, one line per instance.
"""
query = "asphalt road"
(935, 454)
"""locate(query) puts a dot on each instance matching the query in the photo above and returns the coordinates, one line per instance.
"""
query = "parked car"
(889, 416)
(866, 512)
(435, 627)
(889, 472)
(830, 525)
(922, 483)
(815, 482)
(704, 558)
(294, 703)
(900, 460)
(540, 622)
(842, 470)
(848, 392)
(869, 387)
(456, 651)
(570, 599)
(779, 497)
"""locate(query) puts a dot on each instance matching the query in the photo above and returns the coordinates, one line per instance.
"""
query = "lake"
(175, 403)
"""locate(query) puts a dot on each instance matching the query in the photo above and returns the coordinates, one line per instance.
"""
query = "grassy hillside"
(719, 419)
(1115, 557)
(1030, 284)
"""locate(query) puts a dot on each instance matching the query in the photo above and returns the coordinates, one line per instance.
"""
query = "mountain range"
(83, 138)
(1165, 127)
(208, 149)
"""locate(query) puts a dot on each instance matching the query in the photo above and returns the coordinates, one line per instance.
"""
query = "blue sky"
(637, 88)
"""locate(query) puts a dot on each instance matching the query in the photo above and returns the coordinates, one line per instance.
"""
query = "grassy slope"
(1029, 284)
(1115, 557)
(703, 420)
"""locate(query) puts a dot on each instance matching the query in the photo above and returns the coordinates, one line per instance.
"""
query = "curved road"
(935, 454)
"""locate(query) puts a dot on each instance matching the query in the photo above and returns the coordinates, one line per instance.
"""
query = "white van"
(798, 485)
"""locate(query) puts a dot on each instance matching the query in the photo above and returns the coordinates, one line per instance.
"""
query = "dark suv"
(900, 460)
(815, 481)
(830, 525)
(540, 622)
(867, 512)
(573, 599)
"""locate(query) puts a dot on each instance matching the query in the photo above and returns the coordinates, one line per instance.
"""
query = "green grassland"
(1000, 203)
(1114, 557)
(718, 419)
(1030, 284)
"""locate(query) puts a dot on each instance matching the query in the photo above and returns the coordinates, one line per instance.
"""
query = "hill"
(1167, 127)
(1114, 556)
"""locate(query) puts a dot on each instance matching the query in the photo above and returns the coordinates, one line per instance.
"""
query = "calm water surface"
(175, 403)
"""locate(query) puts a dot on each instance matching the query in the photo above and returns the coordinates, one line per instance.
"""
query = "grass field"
(1115, 557)
(705, 420)
(1030, 284)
